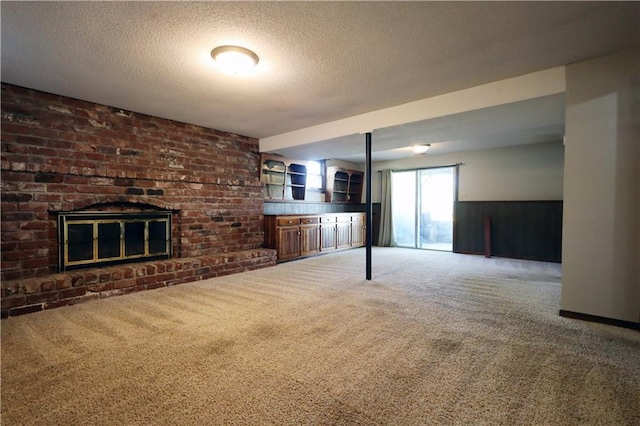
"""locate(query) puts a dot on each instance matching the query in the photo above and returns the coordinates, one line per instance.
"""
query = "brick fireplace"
(65, 158)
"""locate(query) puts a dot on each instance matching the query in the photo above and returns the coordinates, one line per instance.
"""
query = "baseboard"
(602, 320)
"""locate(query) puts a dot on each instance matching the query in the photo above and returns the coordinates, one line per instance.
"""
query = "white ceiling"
(319, 62)
(532, 121)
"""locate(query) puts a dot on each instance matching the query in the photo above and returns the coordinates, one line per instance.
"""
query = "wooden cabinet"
(283, 179)
(295, 236)
(292, 236)
(344, 186)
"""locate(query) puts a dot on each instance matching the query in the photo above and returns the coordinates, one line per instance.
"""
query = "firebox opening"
(90, 239)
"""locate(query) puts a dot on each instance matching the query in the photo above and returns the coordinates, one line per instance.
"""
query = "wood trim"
(602, 320)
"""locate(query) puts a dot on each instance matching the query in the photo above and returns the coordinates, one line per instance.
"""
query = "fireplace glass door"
(91, 239)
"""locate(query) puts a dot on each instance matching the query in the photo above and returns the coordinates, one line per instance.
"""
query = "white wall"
(522, 172)
(601, 228)
(344, 164)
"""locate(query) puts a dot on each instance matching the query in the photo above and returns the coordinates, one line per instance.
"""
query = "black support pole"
(368, 208)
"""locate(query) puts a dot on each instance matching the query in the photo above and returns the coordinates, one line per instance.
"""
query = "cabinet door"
(288, 242)
(309, 239)
(357, 231)
(343, 235)
(327, 237)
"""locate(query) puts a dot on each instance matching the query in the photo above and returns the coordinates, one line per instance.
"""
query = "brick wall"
(62, 154)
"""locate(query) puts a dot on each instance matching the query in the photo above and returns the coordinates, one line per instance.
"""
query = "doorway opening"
(422, 208)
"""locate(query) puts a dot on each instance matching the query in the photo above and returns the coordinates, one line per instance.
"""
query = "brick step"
(36, 294)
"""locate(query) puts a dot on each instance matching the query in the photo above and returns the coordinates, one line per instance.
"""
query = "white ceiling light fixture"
(235, 59)
(420, 149)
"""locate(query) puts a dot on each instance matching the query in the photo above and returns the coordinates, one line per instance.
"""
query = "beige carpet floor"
(434, 339)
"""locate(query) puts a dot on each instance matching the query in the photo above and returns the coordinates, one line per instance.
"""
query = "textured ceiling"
(319, 61)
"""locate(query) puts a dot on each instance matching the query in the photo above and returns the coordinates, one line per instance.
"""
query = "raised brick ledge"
(52, 291)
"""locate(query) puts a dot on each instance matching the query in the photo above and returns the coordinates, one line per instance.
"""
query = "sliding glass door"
(403, 208)
(436, 208)
(422, 208)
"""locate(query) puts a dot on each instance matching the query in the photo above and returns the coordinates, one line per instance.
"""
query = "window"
(92, 239)
(315, 175)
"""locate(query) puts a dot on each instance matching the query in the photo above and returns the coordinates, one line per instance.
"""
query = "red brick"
(128, 272)
(170, 276)
(185, 274)
(35, 263)
(32, 285)
(12, 301)
(90, 277)
(76, 180)
(144, 280)
(25, 310)
(48, 284)
(57, 303)
(12, 275)
(153, 286)
(72, 292)
(41, 297)
(134, 289)
(63, 282)
(77, 281)
(126, 283)
(100, 287)
(53, 168)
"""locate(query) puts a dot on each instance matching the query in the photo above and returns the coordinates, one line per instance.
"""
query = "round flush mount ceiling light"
(420, 149)
(234, 59)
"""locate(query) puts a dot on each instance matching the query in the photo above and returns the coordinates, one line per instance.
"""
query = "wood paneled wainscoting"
(518, 229)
